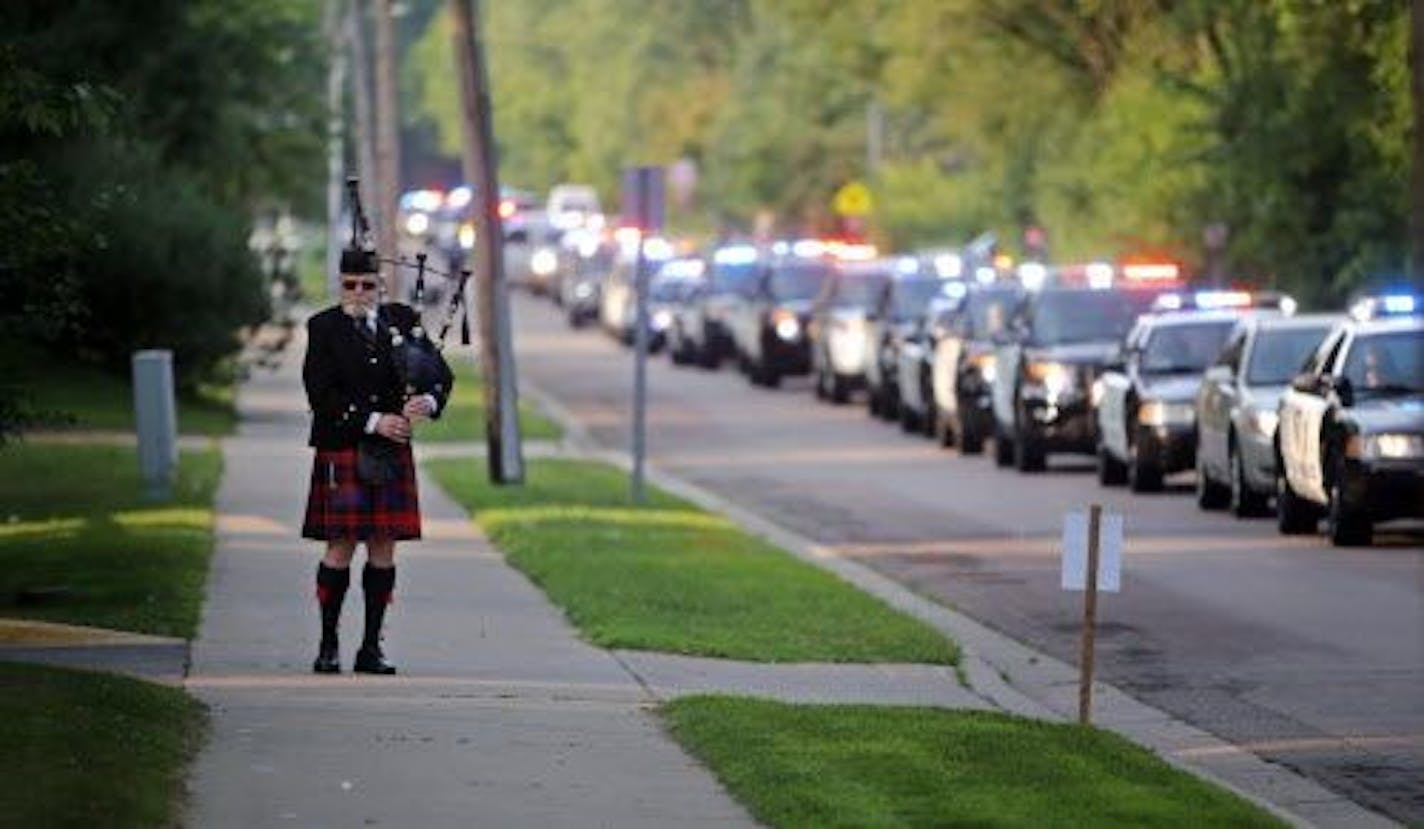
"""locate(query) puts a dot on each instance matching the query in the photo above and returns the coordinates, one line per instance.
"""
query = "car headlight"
(987, 367)
(583, 290)
(788, 327)
(544, 262)
(417, 223)
(1263, 422)
(662, 319)
(1158, 413)
(1055, 377)
(1385, 447)
(467, 236)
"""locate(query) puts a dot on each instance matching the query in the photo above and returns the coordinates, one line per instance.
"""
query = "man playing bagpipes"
(370, 374)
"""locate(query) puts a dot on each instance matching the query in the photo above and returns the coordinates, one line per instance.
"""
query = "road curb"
(1016, 678)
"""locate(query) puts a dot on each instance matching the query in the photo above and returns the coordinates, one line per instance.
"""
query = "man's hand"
(417, 408)
(393, 427)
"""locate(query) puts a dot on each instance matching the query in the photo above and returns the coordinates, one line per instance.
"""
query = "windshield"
(669, 290)
(989, 312)
(1278, 356)
(1184, 349)
(1062, 317)
(912, 295)
(798, 281)
(858, 291)
(738, 278)
(1390, 363)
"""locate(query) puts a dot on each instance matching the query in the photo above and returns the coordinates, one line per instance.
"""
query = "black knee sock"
(331, 585)
(378, 583)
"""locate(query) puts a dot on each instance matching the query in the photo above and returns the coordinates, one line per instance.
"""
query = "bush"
(165, 267)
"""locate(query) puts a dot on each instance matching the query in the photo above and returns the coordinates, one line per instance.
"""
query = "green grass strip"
(869, 766)
(671, 577)
(85, 749)
(464, 417)
(74, 518)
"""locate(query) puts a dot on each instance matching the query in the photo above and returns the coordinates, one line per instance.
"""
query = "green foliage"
(841, 765)
(89, 749)
(1117, 125)
(136, 141)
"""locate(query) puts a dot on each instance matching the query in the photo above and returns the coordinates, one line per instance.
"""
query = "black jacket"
(349, 375)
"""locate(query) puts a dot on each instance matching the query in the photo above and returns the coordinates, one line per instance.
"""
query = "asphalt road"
(1311, 656)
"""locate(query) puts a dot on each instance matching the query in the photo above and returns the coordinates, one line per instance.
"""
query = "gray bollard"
(156, 420)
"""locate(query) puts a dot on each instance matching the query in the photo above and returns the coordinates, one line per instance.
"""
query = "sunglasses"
(363, 284)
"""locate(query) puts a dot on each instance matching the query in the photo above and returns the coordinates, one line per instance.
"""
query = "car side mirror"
(1306, 383)
(1218, 374)
(1344, 389)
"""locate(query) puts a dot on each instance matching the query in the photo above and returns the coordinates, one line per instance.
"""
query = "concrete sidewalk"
(501, 716)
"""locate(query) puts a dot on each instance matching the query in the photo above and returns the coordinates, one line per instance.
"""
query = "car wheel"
(840, 389)
(971, 440)
(1348, 526)
(1111, 471)
(1211, 494)
(1245, 501)
(822, 392)
(770, 377)
(1143, 475)
(944, 428)
(1003, 448)
(1294, 515)
(909, 420)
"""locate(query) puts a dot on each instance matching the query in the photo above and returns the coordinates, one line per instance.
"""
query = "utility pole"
(336, 34)
(361, 96)
(506, 462)
(387, 139)
(1416, 183)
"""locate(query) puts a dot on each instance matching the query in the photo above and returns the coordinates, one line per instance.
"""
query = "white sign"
(1075, 552)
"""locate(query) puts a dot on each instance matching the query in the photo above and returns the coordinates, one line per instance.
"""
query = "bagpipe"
(419, 365)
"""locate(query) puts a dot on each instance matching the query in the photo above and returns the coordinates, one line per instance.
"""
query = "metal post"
(640, 346)
(1090, 619)
(506, 462)
(336, 34)
(361, 99)
(155, 420)
(387, 141)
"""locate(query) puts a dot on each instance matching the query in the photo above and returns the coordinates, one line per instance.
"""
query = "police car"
(838, 328)
(769, 324)
(958, 345)
(1236, 408)
(731, 275)
(1048, 358)
(1146, 415)
(896, 313)
(1350, 441)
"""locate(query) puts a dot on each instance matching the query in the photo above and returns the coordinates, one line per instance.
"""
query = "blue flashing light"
(1400, 304)
(735, 255)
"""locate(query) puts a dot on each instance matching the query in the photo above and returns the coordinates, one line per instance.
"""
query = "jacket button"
(373, 361)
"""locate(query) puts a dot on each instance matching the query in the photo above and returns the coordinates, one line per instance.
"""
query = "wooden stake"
(1090, 619)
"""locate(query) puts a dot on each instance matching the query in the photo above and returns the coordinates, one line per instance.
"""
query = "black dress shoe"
(327, 662)
(372, 661)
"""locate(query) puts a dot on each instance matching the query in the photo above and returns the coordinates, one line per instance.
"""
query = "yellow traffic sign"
(853, 199)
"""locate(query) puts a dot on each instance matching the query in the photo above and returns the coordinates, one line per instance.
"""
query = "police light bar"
(850, 251)
(1033, 275)
(907, 265)
(949, 265)
(735, 255)
(1215, 300)
(683, 268)
(808, 248)
(1151, 272)
(1387, 305)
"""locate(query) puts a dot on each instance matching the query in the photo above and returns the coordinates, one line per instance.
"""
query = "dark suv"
(769, 325)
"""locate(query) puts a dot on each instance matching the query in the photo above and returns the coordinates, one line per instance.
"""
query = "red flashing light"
(1155, 272)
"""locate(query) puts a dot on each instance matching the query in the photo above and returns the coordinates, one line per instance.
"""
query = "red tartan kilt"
(339, 506)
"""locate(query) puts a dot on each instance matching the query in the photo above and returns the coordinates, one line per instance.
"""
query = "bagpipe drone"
(417, 359)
